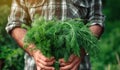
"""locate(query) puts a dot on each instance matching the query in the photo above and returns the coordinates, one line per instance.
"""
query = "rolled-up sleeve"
(17, 16)
(96, 16)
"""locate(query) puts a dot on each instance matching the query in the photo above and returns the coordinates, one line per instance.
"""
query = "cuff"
(9, 28)
(97, 22)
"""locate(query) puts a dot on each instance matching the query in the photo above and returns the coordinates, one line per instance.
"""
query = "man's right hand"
(42, 62)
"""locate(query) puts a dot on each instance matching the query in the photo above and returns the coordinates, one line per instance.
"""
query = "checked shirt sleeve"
(96, 16)
(17, 16)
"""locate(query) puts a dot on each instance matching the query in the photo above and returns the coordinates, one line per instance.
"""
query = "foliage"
(109, 58)
(61, 38)
(12, 59)
(110, 48)
(112, 10)
(9, 51)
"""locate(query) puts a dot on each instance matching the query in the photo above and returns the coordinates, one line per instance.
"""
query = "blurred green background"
(11, 56)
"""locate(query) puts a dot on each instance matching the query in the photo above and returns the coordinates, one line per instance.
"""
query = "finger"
(75, 67)
(46, 63)
(45, 58)
(41, 56)
(63, 63)
(72, 58)
(38, 68)
(61, 60)
(67, 67)
(69, 60)
(42, 63)
(45, 67)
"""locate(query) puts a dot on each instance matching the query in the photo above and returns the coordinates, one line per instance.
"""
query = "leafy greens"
(60, 38)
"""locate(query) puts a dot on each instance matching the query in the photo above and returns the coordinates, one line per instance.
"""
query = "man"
(23, 11)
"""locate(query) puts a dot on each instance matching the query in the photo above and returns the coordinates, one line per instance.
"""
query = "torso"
(61, 9)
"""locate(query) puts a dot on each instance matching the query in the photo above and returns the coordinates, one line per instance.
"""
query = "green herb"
(60, 38)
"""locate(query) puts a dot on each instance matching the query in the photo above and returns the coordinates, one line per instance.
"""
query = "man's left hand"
(71, 64)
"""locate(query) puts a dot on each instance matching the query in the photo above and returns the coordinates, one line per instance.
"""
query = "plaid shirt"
(88, 10)
(23, 11)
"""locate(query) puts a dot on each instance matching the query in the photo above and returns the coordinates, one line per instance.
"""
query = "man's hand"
(71, 64)
(42, 62)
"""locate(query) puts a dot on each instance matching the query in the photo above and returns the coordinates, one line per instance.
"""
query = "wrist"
(97, 30)
(31, 49)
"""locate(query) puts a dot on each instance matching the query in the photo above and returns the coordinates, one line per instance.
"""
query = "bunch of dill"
(61, 38)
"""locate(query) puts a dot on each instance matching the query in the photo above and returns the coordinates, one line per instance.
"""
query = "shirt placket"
(64, 9)
(58, 9)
